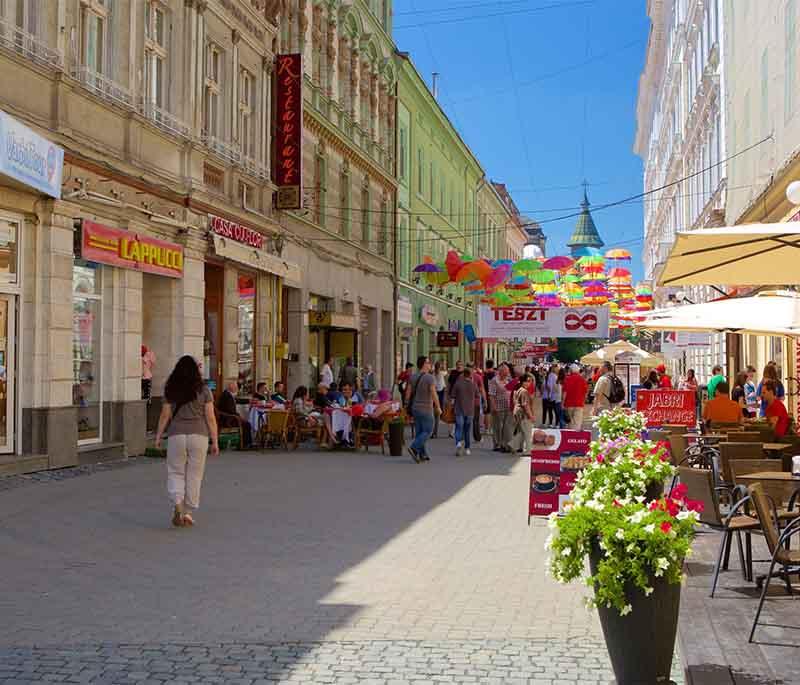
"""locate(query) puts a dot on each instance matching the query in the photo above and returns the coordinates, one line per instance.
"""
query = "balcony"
(164, 120)
(29, 46)
(227, 151)
(254, 167)
(103, 87)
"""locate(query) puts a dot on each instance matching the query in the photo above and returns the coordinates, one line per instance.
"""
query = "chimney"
(435, 85)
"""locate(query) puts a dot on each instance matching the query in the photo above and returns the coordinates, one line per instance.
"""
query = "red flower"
(673, 508)
(600, 458)
(655, 504)
(666, 526)
(679, 491)
(695, 505)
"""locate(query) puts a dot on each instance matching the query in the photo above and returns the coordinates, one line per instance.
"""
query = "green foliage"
(638, 540)
(572, 349)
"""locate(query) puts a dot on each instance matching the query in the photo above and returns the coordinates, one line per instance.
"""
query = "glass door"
(7, 371)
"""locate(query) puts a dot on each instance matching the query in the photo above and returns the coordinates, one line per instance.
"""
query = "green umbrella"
(525, 266)
(543, 276)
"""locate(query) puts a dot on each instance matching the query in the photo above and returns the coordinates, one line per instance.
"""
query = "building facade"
(763, 103)
(681, 137)
(161, 240)
(438, 179)
(343, 236)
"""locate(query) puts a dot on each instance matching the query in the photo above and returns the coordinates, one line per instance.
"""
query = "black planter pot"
(396, 439)
(641, 644)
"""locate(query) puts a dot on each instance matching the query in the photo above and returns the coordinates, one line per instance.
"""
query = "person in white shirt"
(326, 375)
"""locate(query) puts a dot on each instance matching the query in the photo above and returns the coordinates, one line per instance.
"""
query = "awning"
(258, 259)
(751, 254)
(765, 313)
(633, 355)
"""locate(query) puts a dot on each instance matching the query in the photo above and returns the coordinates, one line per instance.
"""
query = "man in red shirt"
(664, 381)
(776, 411)
(574, 400)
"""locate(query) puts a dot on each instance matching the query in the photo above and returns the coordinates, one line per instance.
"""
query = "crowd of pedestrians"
(497, 402)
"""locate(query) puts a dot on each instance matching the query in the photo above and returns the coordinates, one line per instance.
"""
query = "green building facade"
(438, 180)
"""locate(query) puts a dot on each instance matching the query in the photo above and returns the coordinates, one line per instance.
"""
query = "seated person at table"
(776, 411)
(348, 397)
(260, 395)
(229, 415)
(722, 409)
(320, 399)
(303, 409)
(333, 396)
(380, 405)
(279, 395)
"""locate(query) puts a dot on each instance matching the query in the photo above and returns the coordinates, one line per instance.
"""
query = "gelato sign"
(28, 158)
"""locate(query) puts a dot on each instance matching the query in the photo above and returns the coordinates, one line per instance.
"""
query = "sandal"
(177, 517)
(188, 520)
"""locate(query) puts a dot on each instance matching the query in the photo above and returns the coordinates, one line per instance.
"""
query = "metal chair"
(700, 486)
(777, 542)
(371, 431)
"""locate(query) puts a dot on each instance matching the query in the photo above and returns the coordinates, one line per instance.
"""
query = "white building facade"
(681, 137)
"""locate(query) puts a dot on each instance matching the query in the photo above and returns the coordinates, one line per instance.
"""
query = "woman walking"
(440, 384)
(464, 394)
(524, 415)
(188, 417)
(558, 396)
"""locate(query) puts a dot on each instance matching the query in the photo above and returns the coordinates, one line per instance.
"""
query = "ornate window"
(94, 34)
(247, 106)
(155, 52)
(212, 90)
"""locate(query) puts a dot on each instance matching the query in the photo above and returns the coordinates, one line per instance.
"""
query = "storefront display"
(87, 349)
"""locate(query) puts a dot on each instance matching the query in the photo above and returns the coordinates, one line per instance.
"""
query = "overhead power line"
(478, 17)
(458, 8)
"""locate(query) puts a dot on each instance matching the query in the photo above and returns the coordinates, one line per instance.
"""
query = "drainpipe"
(395, 273)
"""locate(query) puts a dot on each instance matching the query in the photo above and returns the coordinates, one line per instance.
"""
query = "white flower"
(637, 516)
(548, 544)
(662, 563)
(620, 534)
(683, 515)
(552, 520)
(648, 591)
(650, 528)
(626, 610)
(566, 551)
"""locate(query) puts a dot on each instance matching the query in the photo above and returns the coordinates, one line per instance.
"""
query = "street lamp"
(793, 192)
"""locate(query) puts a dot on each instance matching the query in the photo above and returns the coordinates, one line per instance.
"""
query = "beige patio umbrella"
(765, 313)
(750, 254)
(610, 352)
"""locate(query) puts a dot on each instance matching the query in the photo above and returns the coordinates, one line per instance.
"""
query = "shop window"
(87, 306)
(246, 346)
(9, 230)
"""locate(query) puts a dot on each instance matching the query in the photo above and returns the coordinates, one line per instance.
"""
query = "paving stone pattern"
(304, 567)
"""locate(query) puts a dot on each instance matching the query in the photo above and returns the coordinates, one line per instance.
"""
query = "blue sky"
(543, 98)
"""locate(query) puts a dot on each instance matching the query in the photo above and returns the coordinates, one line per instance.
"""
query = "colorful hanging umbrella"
(558, 263)
(427, 267)
(525, 266)
(588, 252)
(440, 277)
(618, 253)
(502, 300)
(479, 270)
(454, 264)
(543, 276)
(498, 276)
(618, 272)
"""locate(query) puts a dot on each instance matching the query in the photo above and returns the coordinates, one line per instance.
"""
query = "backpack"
(617, 394)
(410, 404)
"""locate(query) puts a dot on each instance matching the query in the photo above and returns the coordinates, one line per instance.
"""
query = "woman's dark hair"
(185, 383)
(741, 379)
(561, 376)
(689, 374)
(653, 377)
(300, 393)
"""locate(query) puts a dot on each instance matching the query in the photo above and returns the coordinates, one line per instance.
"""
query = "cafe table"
(707, 438)
(778, 450)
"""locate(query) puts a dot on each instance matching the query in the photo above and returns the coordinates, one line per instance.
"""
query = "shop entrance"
(212, 344)
(8, 314)
(324, 343)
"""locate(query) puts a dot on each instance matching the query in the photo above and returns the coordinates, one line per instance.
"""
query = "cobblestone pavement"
(304, 567)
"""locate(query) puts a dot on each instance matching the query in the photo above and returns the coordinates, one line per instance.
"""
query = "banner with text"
(662, 407)
(557, 458)
(529, 322)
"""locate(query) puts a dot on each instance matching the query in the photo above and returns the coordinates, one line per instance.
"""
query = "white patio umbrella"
(609, 353)
(750, 254)
(765, 313)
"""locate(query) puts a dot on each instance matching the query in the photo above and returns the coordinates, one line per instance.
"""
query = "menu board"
(556, 459)
(675, 407)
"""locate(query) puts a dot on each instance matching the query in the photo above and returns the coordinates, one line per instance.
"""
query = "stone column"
(45, 364)
(332, 80)
(267, 65)
(344, 77)
(355, 73)
(235, 37)
(297, 316)
(197, 27)
(317, 49)
(267, 294)
(382, 119)
(373, 107)
(190, 307)
(230, 325)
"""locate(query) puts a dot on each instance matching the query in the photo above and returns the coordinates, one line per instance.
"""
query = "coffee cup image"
(545, 482)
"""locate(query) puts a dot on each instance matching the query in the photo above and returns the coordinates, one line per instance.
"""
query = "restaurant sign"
(530, 322)
(289, 131)
(128, 250)
(230, 229)
(28, 158)
(661, 407)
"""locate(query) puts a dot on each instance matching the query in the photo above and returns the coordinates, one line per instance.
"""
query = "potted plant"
(397, 429)
(635, 540)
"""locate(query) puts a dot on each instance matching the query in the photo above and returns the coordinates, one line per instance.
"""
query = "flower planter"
(396, 438)
(641, 644)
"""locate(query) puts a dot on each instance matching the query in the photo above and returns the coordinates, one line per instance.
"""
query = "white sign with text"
(526, 322)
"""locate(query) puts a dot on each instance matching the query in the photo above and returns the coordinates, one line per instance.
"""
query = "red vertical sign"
(289, 131)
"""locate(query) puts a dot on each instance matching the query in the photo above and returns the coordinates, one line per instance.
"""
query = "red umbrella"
(558, 263)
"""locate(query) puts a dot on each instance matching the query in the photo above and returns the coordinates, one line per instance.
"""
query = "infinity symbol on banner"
(573, 321)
